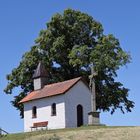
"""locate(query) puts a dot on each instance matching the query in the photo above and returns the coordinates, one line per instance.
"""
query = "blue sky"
(21, 21)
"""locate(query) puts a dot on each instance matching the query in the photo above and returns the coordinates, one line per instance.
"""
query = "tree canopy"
(69, 44)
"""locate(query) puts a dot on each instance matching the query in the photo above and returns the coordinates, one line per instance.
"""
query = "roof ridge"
(78, 78)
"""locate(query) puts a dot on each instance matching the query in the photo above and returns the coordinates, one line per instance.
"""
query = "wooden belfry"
(94, 116)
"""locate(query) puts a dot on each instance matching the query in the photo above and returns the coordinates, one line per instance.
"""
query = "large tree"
(69, 44)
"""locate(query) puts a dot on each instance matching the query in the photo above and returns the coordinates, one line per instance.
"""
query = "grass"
(82, 133)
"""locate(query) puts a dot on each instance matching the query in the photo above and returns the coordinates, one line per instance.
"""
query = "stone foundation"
(94, 118)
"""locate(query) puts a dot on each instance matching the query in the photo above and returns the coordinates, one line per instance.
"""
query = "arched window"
(34, 112)
(53, 109)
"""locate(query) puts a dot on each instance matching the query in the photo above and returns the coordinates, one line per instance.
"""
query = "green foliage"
(70, 43)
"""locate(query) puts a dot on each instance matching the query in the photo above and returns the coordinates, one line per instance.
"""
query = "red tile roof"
(51, 90)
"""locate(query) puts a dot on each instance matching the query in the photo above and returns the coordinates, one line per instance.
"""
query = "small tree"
(67, 46)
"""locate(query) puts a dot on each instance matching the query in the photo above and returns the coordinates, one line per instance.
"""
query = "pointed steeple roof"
(40, 71)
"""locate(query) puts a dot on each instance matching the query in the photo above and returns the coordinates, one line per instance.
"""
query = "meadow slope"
(83, 133)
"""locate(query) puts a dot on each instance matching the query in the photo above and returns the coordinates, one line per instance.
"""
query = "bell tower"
(40, 76)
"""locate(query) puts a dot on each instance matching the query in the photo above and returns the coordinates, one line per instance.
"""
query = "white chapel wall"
(79, 94)
(44, 112)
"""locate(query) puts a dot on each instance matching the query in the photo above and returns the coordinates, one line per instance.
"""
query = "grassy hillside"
(83, 133)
